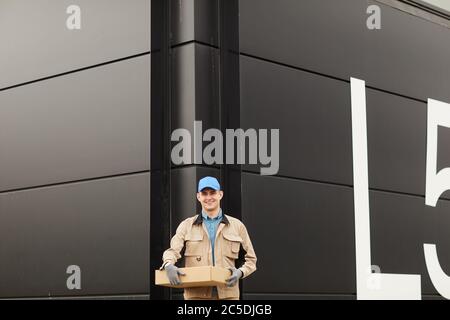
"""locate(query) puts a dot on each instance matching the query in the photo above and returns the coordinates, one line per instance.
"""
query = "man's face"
(209, 199)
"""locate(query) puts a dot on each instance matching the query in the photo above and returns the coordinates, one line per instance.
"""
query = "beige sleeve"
(172, 254)
(250, 257)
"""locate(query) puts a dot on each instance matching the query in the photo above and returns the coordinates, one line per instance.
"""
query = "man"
(211, 239)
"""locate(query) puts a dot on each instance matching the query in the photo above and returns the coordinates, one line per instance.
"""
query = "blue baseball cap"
(208, 182)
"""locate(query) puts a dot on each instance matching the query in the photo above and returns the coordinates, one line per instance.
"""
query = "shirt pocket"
(194, 250)
(232, 244)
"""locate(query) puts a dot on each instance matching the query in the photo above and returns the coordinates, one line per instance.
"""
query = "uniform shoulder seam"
(233, 219)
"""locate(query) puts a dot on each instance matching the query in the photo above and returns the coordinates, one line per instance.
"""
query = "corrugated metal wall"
(297, 58)
(75, 140)
(74, 148)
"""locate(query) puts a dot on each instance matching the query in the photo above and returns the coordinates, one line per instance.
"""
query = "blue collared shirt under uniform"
(211, 225)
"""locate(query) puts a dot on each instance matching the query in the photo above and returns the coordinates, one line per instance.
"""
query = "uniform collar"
(219, 215)
(200, 218)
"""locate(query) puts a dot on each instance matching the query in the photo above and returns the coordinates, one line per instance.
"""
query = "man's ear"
(221, 194)
(198, 196)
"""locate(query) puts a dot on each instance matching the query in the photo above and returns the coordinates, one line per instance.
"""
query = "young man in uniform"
(212, 238)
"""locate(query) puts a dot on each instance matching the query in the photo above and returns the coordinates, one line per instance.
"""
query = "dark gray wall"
(85, 124)
(75, 149)
(408, 56)
(297, 58)
(99, 225)
(75, 140)
(36, 43)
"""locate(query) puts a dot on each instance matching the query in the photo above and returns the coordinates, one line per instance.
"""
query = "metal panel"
(408, 55)
(315, 230)
(313, 115)
(195, 20)
(303, 234)
(36, 42)
(400, 225)
(183, 87)
(315, 128)
(86, 124)
(102, 226)
(396, 129)
(397, 146)
(195, 89)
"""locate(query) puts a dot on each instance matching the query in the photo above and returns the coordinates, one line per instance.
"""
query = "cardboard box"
(195, 277)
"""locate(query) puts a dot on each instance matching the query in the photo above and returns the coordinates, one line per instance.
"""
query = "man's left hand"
(236, 274)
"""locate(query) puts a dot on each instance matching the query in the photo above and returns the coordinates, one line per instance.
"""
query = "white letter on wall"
(389, 286)
(436, 184)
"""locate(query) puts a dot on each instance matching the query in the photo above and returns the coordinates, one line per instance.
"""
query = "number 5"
(436, 184)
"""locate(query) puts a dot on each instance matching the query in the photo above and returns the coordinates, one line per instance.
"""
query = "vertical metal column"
(229, 97)
(160, 140)
(230, 102)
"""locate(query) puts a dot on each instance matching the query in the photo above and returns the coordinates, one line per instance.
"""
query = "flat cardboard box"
(195, 277)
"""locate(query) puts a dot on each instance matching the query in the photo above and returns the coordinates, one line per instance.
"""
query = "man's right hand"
(172, 273)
